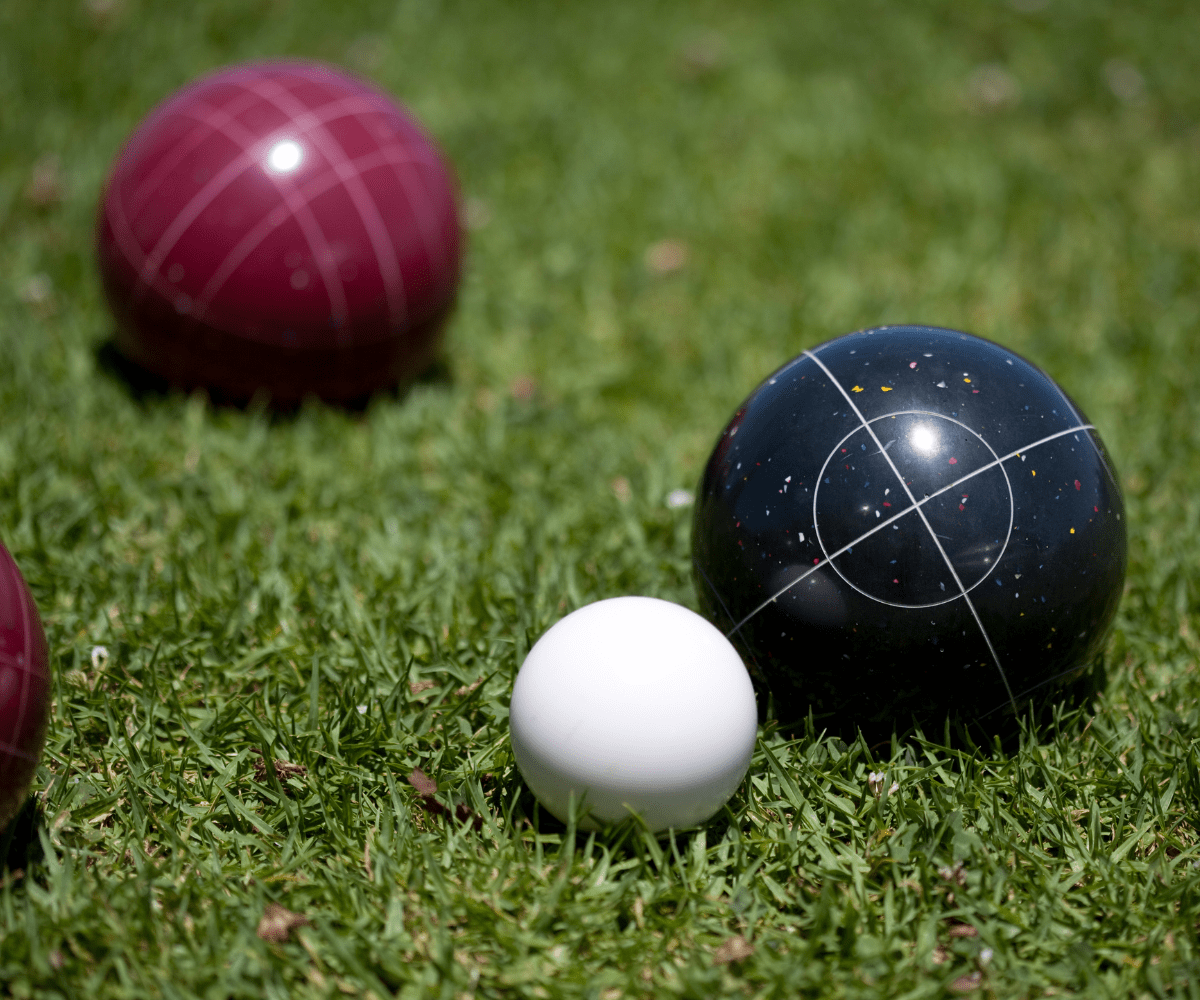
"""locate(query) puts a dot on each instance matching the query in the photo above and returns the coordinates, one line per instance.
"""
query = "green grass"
(326, 587)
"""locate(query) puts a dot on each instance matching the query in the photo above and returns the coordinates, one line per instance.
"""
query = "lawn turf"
(326, 589)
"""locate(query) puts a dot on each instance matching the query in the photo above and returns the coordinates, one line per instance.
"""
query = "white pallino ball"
(633, 704)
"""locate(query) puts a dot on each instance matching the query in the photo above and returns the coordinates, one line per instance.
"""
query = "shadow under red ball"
(281, 226)
(24, 688)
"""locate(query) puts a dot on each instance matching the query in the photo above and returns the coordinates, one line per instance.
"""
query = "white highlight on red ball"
(633, 705)
(285, 156)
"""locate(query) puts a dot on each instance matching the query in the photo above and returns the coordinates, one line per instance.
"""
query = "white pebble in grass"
(875, 784)
(1124, 80)
(992, 87)
(99, 657)
(633, 705)
(37, 290)
(680, 498)
(362, 709)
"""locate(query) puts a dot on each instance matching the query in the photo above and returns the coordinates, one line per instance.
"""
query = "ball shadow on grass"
(1049, 706)
(624, 838)
(20, 843)
(145, 387)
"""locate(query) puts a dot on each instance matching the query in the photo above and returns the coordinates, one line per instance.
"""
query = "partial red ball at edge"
(24, 688)
(280, 226)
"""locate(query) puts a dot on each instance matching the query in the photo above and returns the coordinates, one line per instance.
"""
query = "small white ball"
(633, 704)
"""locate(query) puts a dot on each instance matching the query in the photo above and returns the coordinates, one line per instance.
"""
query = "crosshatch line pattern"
(391, 155)
(915, 506)
(310, 124)
(908, 510)
(924, 520)
(1016, 453)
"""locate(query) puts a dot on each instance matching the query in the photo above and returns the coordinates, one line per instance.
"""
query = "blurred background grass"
(665, 203)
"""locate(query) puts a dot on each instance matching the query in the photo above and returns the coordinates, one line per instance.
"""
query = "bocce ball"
(911, 524)
(279, 226)
(24, 688)
(633, 705)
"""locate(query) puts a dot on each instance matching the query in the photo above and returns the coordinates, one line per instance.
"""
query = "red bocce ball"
(280, 225)
(24, 689)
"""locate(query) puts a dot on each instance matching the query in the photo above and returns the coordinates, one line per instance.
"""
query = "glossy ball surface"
(633, 704)
(279, 225)
(910, 523)
(24, 688)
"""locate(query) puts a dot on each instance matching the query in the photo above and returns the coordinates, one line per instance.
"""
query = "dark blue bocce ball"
(909, 525)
